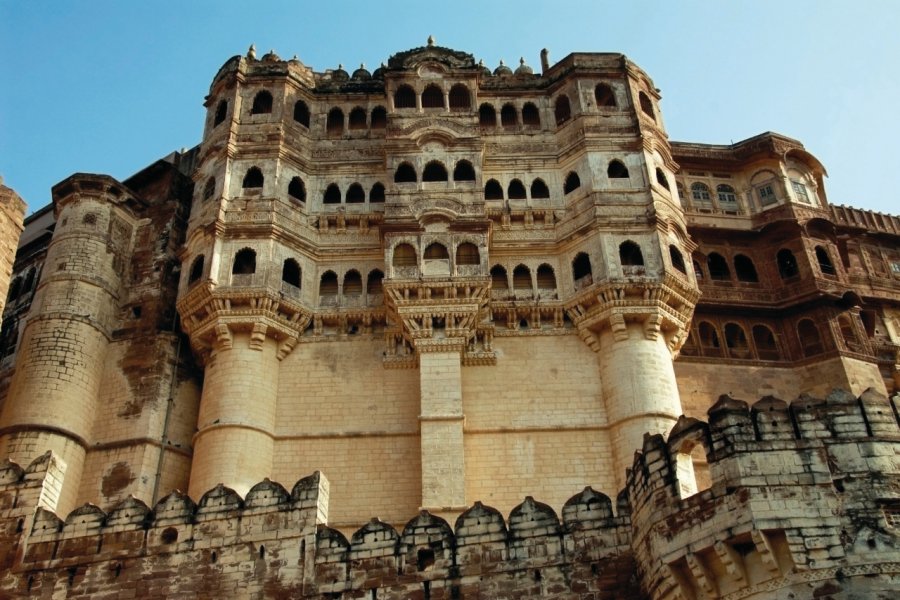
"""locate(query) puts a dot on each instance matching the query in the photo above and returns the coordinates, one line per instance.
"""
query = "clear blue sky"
(109, 86)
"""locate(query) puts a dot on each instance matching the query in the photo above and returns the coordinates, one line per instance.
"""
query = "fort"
(502, 304)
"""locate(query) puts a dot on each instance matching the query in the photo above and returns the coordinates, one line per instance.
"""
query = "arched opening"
(332, 194)
(15, 289)
(434, 171)
(290, 272)
(404, 97)
(692, 469)
(460, 98)
(745, 269)
(582, 273)
(848, 333)
(630, 254)
(604, 96)
(736, 341)
(766, 346)
(357, 118)
(328, 284)
(379, 117)
(374, 283)
(531, 117)
(464, 171)
(301, 113)
(487, 116)
(498, 278)
(661, 178)
(617, 170)
(356, 194)
(718, 267)
(352, 283)
(810, 340)
(334, 125)
(405, 173)
(221, 112)
(700, 194)
(432, 96)
(677, 259)
(404, 255)
(376, 195)
(493, 190)
(436, 251)
(297, 189)
(262, 103)
(244, 262)
(562, 110)
(508, 116)
(646, 105)
(825, 264)
(196, 271)
(787, 264)
(727, 197)
(467, 254)
(546, 278)
(573, 182)
(698, 270)
(9, 337)
(516, 190)
(539, 189)
(210, 188)
(522, 278)
(709, 340)
(253, 178)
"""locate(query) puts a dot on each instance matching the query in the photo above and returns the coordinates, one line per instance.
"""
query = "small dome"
(251, 52)
(484, 70)
(361, 73)
(523, 68)
(295, 60)
(379, 72)
(270, 56)
(339, 74)
(502, 69)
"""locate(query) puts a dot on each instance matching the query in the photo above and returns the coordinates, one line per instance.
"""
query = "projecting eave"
(764, 145)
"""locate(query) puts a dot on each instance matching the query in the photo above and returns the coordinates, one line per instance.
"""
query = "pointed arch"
(573, 182)
(405, 173)
(301, 113)
(562, 109)
(539, 189)
(434, 171)
(493, 190)
(464, 171)
(332, 194)
(334, 124)
(516, 190)
(262, 103)
(460, 98)
(356, 194)
(404, 97)
(487, 115)
(433, 96)
(253, 178)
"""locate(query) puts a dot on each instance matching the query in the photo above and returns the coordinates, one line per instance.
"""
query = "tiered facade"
(437, 284)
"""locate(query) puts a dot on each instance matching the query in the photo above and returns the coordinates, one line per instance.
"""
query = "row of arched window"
(352, 285)
(521, 281)
(701, 196)
(509, 115)
(21, 286)
(708, 342)
(459, 98)
(405, 255)
(717, 266)
(434, 171)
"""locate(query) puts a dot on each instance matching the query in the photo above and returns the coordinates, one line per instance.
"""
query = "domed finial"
(430, 41)
(480, 62)
(502, 64)
(341, 66)
(362, 65)
(521, 60)
(251, 52)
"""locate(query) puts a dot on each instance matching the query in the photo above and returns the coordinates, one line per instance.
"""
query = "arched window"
(787, 264)
(376, 195)
(221, 112)
(379, 117)
(493, 190)
(301, 113)
(355, 194)
(352, 283)
(433, 96)
(727, 197)
(764, 340)
(531, 117)
(700, 193)
(810, 340)
(253, 178)
(581, 269)
(196, 270)
(709, 340)
(405, 173)
(498, 278)
(467, 254)
(29, 281)
(15, 289)
(546, 279)
(328, 284)
(617, 170)
(630, 254)
(661, 178)
(262, 103)
(434, 171)
(374, 282)
(404, 97)
(825, 264)
(244, 262)
(718, 267)
(404, 256)
(516, 190)
(736, 341)
(562, 109)
(290, 272)
(210, 188)
(677, 259)
(487, 116)
(521, 278)
(460, 98)
(539, 189)
(334, 125)
(604, 95)
(508, 116)
(358, 118)
(332, 194)
(436, 251)
(745, 269)
(464, 171)
(646, 105)
(573, 182)
(297, 189)
(848, 333)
